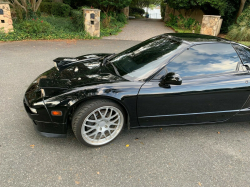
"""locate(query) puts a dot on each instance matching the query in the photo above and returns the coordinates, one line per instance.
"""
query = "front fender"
(124, 94)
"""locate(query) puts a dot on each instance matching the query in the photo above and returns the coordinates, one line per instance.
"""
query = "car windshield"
(144, 59)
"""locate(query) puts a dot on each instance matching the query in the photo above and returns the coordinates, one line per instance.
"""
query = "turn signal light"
(56, 113)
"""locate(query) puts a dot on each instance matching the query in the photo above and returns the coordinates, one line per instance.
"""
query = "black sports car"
(171, 79)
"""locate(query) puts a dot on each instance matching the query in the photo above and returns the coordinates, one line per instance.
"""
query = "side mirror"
(170, 79)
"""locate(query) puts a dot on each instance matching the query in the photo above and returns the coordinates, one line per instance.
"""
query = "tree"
(110, 5)
(25, 5)
(242, 4)
(220, 5)
(144, 3)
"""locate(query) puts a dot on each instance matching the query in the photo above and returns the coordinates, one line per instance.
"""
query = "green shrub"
(57, 9)
(180, 22)
(77, 19)
(35, 26)
(47, 28)
(241, 30)
(46, 7)
(112, 23)
(61, 24)
(60, 9)
(172, 21)
(121, 18)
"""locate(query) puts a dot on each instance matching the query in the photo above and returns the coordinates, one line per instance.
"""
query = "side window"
(243, 52)
(205, 59)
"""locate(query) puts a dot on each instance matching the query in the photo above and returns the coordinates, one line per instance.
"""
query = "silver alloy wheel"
(102, 125)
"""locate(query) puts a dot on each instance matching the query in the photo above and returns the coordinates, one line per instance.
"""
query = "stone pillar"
(211, 25)
(126, 11)
(5, 17)
(92, 21)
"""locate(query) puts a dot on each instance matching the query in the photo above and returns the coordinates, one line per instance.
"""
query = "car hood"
(69, 73)
(79, 71)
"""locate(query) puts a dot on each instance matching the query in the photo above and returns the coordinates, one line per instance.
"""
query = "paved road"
(141, 29)
(175, 156)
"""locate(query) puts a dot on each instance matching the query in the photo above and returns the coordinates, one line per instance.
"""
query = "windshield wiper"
(105, 61)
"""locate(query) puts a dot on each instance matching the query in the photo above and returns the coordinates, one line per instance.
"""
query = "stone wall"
(5, 17)
(196, 14)
(92, 21)
(211, 25)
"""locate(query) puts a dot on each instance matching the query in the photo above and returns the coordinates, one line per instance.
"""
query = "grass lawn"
(178, 30)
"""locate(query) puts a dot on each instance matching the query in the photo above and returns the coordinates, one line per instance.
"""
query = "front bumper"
(44, 125)
(38, 125)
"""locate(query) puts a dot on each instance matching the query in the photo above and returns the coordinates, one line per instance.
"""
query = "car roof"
(192, 38)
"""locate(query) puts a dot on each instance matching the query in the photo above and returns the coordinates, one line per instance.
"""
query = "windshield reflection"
(205, 59)
(142, 60)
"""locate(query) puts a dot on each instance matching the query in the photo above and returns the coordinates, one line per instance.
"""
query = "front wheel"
(98, 122)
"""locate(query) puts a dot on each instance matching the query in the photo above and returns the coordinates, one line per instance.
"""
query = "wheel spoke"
(95, 116)
(110, 113)
(95, 136)
(113, 121)
(92, 134)
(100, 113)
(89, 131)
(104, 135)
(106, 112)
(109, 132)
(90, 126)
(90, 120)
(114, 124)
(114, 116)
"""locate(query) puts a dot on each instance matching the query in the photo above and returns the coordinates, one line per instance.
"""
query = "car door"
(214, 88)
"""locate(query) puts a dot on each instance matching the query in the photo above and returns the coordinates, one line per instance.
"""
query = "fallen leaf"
(218, 132)
(77, 182)
(98, 172)
(127, 145)
(32, 146)
(199, 183)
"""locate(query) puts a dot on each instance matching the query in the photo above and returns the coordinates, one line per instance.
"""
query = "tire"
(98, 122)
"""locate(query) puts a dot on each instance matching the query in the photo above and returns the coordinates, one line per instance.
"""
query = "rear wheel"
(98, 122)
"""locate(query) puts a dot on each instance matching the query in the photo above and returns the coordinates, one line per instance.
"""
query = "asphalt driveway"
(212, 155)
(141, 29)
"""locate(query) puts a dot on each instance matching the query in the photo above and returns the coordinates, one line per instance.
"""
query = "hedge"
(57, 9)
(77, 19)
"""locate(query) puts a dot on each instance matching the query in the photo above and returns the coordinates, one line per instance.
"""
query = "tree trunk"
(58, 1)
(242, 4)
